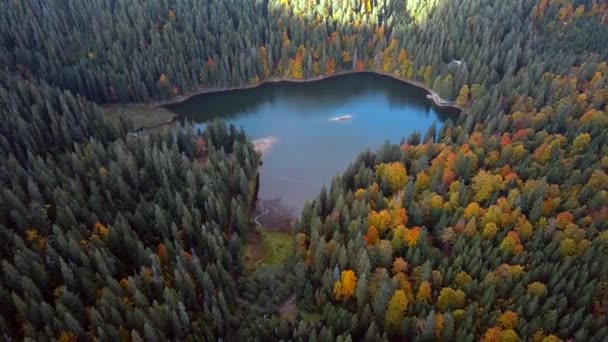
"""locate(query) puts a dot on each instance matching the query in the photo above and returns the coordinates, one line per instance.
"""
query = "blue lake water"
(310, 148)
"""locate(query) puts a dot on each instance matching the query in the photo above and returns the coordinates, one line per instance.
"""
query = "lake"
(310, 144)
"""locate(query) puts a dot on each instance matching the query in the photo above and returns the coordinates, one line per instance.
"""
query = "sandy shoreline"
(264, 144)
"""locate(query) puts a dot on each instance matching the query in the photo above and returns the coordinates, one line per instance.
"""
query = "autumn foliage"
(395, 173)
(372, 235)
(397, 307)
(101, 230)
(330, 67)
(411, 236)
(512, 243)
(508, 320)
(360, 66)
(489, 226)
(344, 288)
(162, 252)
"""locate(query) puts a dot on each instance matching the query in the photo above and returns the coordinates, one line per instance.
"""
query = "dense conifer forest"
(493, 228)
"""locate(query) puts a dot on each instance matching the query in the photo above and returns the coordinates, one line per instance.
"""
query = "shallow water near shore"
(309, 132)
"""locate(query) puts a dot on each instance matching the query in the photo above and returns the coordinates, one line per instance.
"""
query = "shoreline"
(170, 117)
(212, 90)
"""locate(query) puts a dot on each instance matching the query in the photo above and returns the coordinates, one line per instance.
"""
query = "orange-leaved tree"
(330, 66)
(162, 252)
(360, 66)
(398, 217)
(424, 291)
(399, 265)
(371, 236)
(512, 243)
(508, 319)
(411, 236)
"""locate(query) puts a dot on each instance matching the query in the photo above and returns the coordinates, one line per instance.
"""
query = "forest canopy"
(494, 228)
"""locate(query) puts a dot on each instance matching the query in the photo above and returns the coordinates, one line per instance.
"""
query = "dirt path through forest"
(265, 212)
(288, 308)
(274, 215)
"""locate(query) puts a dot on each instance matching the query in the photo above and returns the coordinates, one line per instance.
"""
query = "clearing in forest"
(266, 248)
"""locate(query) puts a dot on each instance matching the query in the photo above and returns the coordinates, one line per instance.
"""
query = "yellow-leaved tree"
(381, 220)
(537, 289)
(344, 288)
(463, 96)
(450, 299)
(427, 74)
(397, 307)
(579, 144)
(485, 184)
(396, 173)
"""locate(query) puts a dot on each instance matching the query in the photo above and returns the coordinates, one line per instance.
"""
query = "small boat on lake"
(342, 118)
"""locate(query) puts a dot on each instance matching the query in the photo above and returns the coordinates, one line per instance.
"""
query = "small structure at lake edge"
(438, 100)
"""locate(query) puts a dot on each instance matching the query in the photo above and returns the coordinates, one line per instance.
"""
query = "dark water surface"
(311, 148)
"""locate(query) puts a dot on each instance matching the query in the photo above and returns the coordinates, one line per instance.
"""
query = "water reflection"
(311, 149)
(312, 96)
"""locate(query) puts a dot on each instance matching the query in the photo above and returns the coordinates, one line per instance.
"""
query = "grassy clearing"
(277, 246)
(266, 248)
(143, 116)
(310, 317)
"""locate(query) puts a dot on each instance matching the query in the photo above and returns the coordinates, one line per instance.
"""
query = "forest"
(492, 228)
